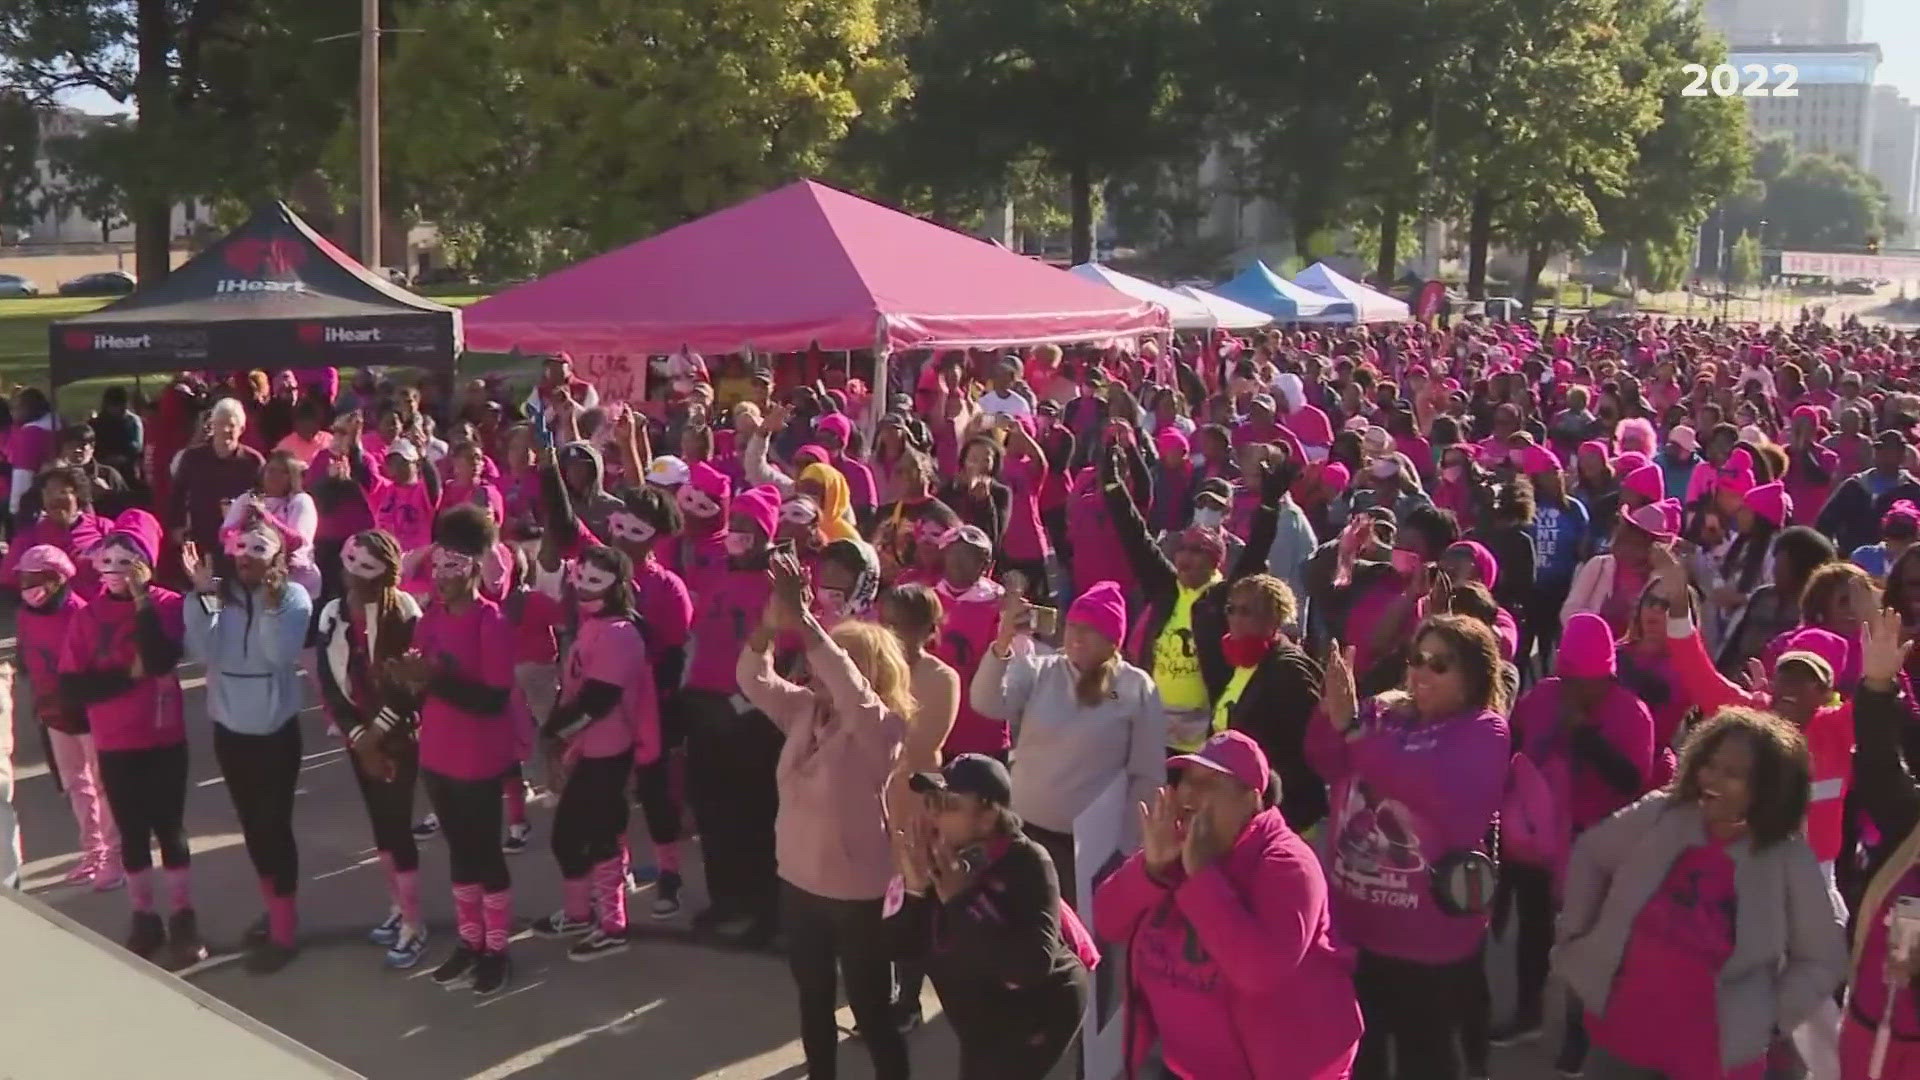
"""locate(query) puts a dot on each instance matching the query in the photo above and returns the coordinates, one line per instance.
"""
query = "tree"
(1743, 261)
(1660, 264)
(1823, 202)
(1090, 89)
(19, 160)
(91, 173)
(588, 123)
(233, 97)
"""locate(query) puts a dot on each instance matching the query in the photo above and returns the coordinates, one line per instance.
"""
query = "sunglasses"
(1438, 663)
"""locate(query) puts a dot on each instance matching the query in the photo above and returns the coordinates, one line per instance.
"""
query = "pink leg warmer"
(467, 915)
(180, 888)
(610, 894)
(140, 889)
(668, 856)
(578, 893)
(283, 920)
(498, 917)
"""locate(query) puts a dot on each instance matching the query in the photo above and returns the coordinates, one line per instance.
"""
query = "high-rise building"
(1832, 110)
(1786, 22)
(1893, 157)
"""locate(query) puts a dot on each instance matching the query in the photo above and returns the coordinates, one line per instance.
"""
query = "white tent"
(1372, 306)
(1227, 314)
(1186, 312)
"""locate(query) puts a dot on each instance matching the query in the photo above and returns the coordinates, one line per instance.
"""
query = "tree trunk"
(151, 205)
(1479, 238)
(1080, 190)
(1530, 285)
(1385, 267)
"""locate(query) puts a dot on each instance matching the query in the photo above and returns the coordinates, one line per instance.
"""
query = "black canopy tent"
(271, 294)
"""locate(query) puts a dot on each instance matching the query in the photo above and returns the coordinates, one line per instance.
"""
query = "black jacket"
(1160, 586)
(994, 951)
(1852, 514)
(1279, 700)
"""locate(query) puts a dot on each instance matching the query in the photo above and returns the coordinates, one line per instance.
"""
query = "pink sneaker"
(83, 872)
(110, 876)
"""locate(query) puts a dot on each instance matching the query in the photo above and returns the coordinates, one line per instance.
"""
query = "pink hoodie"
(1623, 721)
(1235, 969)
(101, 638)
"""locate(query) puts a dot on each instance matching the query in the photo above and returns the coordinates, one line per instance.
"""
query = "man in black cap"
(1853, 512)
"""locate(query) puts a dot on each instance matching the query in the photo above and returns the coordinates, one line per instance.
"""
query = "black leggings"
(1416, 1015)
(1027, 1038)
(591, 819)
(731, 760)
(261, 772)
(850, 933)
(653, 790)
(470, 817)
(390, 804)
(147, 791)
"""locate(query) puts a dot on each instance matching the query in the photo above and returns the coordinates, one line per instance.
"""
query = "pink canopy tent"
(802, 265)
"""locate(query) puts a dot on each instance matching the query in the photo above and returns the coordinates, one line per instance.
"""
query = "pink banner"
(618, 376)
(1846, 267)
(1432, 294)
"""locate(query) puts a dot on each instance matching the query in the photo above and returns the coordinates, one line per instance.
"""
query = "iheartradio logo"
(77, 340)
(311, 333)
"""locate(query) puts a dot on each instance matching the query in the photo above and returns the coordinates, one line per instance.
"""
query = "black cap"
(968, 774)
(1891, 440)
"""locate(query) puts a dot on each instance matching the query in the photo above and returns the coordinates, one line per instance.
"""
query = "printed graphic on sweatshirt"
(1377, 850)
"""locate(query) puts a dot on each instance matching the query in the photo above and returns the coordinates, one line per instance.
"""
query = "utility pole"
(370, 135)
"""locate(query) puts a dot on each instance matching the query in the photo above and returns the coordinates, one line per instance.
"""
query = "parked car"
(15, 285)
(1857, 287)
(104, 283)
(395, 276)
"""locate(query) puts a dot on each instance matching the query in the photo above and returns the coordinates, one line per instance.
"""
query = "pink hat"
(45, 559)
(1336, 476)
(1535, 460)
(1586, 648)
(835, 424)
(1596, 447)
(1103, 609)
(142, 530)
(1484, 563)
(1172, 443)
(761, 505)
(1822, 650)
(710, 482)
(1660, 520)
(1231, 752)
(1645, 481)
(1771, 502)
(1629, 461)
(811, 452)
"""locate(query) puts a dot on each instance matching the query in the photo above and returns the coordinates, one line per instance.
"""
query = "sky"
(1893, 24)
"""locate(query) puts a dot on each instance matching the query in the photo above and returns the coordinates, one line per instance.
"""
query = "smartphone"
(1043, 622)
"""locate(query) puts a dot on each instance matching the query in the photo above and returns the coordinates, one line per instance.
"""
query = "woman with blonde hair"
(835, 856)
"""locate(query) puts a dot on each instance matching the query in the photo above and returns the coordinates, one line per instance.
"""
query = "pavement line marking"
(533, 1058)
(348, 869)
(521, 989)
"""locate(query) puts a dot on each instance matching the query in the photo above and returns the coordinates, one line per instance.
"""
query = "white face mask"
(1209, 519)
(695, 503)
(628, 529)
(590, 584)
(113, 563)
(1196, 459)
(799, 512)
(739, 543)
(260, 545)
(451, 564)
(359, 563)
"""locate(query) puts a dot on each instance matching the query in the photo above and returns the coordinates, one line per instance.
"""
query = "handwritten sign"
(617, 376)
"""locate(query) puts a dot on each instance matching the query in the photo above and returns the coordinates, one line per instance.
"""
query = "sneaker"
(598, 944)
(516, 841)
(557, 925)
(267, 957)
(491, 972)
(407, 949)
(427, 827)
(666, 895)
(643, 876)
(109, 876)
(184, 947)
(1571, 1062)
(256, 933)
(146, 935)
(387, 932)
(1524, 1028)
(457, 969)
(84, 872)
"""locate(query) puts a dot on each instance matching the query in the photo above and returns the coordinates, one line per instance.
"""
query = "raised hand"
(1160, 832)
(1337, 694)
(199, 570)
(1883, 650)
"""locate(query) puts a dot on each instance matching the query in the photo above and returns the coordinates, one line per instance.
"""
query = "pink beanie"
(1770, 501)
(1629, 461)
(142, 530)
(1645, 481)
(1597, 448)
(1586, 648)
(1336, 476)
(1822, 650)
(1483, 560)
(836, 424)
(45, 558)
(760, 505)
(1103, 609)
(710, 482)
(1535, 460)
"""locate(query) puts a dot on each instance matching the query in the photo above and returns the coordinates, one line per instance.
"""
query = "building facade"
(1786, 22)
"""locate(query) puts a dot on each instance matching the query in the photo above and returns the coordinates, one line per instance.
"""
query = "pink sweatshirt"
(1540, 731)
(612, 651)
(101, 639)
(964, 637)
(76, 540)
(476, 644)
(1406, 794)
(41, 637)
(405, 510)
(731, 603)
(831, 834)
(1235, 970)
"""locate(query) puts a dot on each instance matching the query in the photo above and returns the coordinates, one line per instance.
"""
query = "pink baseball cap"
(1232, 753)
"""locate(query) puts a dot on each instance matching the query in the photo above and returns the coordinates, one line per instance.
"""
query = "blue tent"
(1258, 287)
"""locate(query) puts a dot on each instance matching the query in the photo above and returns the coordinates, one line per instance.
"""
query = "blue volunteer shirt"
(1557, 533)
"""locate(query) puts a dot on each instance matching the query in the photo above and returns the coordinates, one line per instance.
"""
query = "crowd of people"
(1397, 637)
